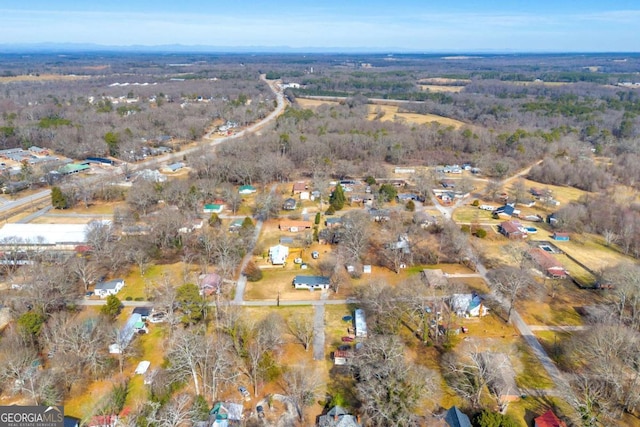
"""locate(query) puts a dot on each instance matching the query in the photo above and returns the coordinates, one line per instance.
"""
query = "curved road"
(205, 142)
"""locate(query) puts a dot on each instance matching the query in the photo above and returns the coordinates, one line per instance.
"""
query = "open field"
(441, 88)
(41, 77)
(590, 250)
(391, 113)
(443, 81)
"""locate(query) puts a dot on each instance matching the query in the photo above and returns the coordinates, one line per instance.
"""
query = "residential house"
(454, 417)
(506, 211)
(548, 419)
(213, 208)
(103, 421)
(467, 305)
(144, 312)
(512, 230)
(502, 382)
(379, 215)
(278, 254)
(209, 284)
(247, 189)
(424, 220)
(236, 225)
(405, 197)
(360, 323)
(73, 168)
(561, 237)
(548, 263)
(311, 282)
(112, 287)
(434, 278)
(174, 167)
(295, 226)
(289, 204)
(299, 187)
(71, 421)
(334, 221)
(338, 417)
(341, 357)
(223, 412)
(125, 335)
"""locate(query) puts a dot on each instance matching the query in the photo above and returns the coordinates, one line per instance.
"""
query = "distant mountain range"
(180, 48)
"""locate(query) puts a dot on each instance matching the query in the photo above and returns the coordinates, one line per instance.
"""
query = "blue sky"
(421, 25)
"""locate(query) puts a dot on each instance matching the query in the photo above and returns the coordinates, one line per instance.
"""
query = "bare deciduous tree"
(388, 387)
(302, 328)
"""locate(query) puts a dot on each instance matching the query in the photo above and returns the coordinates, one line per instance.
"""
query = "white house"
(112, 287)
(468, 305)
(278, 254)
(311, 282)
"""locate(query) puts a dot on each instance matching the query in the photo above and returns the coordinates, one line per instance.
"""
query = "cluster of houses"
(227, 128)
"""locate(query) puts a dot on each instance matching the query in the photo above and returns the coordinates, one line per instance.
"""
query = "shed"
(341, 357)
(142, 367)
(561, 237)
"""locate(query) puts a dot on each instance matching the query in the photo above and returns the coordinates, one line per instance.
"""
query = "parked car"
(347, 339)
(344, 347)
(244, 392)
(157, 317)
(88, 294)
(315, 254)
(297, 260)
(260, 411)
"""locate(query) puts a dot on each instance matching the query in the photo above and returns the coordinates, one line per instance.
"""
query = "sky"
(374, 25)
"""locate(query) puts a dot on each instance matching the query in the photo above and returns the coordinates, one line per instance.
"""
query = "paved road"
(27, 219)
(260, 303)
(7, 206)
(21, 202)
(318, 333)
(242, 280)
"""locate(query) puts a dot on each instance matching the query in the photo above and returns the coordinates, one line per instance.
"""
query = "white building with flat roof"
(52, 236)
(360, 322)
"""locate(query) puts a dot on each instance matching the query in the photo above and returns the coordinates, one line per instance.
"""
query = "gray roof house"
(338, 417)
(311, 282)
(456, 418)
(112, 287)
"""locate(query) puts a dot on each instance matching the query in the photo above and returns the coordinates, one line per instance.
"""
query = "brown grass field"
(391, 113)
(41, 77)
(441, 88)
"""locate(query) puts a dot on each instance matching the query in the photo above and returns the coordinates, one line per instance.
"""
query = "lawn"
(468, 214)
(531, 373)
(137, 286)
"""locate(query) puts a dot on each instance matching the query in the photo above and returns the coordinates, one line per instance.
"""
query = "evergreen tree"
(58, 198)
(112, 307)
(337, 198)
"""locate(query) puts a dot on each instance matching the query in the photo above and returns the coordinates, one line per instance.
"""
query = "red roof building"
(548, 419)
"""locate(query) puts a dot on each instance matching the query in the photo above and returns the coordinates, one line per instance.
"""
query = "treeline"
(119, 115)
